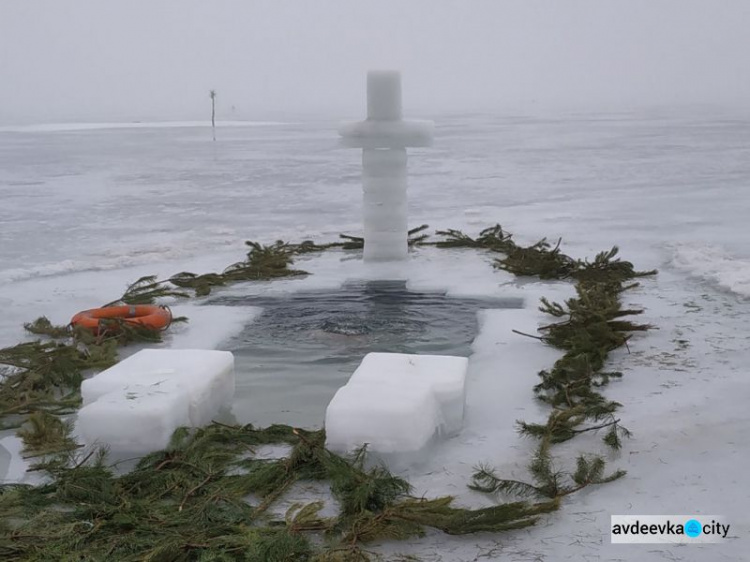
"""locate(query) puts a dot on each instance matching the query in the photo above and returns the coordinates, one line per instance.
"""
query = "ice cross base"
(384, 205)
(383, 138)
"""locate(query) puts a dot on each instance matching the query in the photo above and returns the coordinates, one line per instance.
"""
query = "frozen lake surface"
(86, 209)
(76, 199)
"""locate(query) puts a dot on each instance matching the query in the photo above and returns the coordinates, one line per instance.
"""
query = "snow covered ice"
(158, 389)
(668, 187)
(603, 124)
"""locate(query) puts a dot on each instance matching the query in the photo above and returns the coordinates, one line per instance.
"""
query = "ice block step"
(207, 376)
(444, 375)
(397, 403)
(387, 419)
(137, 418)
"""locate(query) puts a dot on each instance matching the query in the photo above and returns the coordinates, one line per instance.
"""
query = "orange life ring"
(145, 315)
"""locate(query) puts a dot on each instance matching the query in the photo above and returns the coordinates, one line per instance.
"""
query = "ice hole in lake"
(291, 360)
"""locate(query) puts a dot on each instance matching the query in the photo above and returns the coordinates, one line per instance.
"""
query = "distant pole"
(212, 93)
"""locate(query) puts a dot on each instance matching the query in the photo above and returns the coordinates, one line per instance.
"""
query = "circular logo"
(693, 528)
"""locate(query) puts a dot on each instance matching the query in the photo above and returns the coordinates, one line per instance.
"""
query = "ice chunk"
(5, 458)
(388, 418)
(384, 95)
(13, 467)
(443, 375)
(397, 403)
(385, 206)
(387, 134)
(206, 376)
(383, 218)
(385, 163)
(136, 418)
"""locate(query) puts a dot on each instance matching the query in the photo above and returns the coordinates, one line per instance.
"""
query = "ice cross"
(383, 138)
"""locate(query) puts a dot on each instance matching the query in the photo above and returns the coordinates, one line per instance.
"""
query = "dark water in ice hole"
(304, 346)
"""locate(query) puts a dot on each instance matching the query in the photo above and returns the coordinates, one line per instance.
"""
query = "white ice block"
(390, 187)
(384, 95)
(386, 222)
(5, 460)
(206, 376)
(384, 162)
(136, 418)
(13, 466)
(443, 375)
(387, 134)
(375, 209)
(388, 418)
(385, 246)
(384, 207)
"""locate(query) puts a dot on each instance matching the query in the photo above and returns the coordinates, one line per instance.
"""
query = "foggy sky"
(63, 60)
